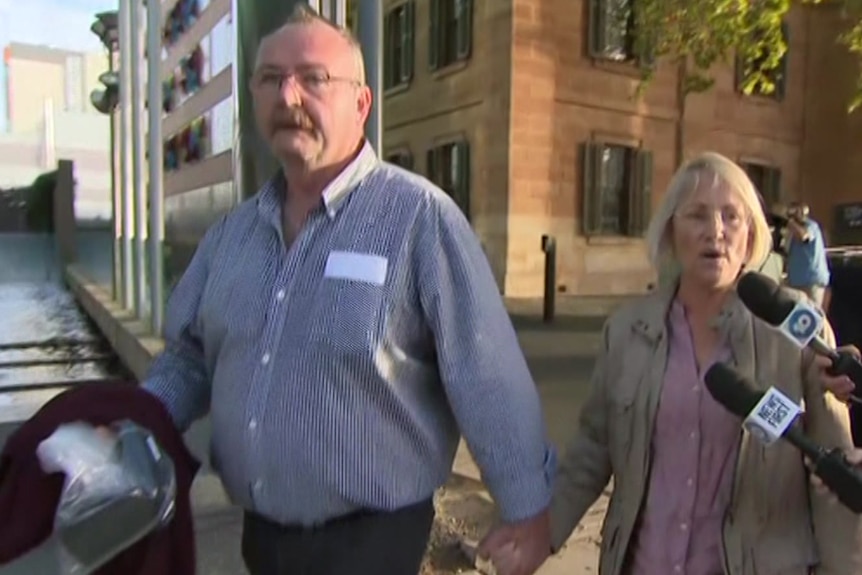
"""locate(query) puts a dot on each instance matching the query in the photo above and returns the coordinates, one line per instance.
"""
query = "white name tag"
(366, 268)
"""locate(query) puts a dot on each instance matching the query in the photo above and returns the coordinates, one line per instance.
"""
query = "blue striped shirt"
(338, 371)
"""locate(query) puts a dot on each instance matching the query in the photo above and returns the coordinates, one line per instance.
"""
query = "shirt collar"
(270, 195)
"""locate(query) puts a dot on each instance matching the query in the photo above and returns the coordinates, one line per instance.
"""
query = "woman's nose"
(715, 226)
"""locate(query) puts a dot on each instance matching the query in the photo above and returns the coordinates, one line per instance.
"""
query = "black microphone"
(769, 415)
(798, 320)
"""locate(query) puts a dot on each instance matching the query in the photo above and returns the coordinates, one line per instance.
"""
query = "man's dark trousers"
(364, 543)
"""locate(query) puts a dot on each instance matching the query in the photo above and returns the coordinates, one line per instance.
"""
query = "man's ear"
(363, 103)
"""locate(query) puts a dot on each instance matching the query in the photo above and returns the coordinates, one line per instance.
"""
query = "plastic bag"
(118, 489)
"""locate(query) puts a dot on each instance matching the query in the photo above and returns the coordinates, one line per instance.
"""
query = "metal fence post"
(549, 246)
(156, 167)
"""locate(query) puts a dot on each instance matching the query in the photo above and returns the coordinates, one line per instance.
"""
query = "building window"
(402, 158)
(611, 30)
(449, 167)
(451, 33)
(767, 181)
(777, 76)
(617, 189)
(398, 47)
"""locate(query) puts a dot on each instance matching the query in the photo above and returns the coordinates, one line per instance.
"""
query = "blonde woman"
(693, 494)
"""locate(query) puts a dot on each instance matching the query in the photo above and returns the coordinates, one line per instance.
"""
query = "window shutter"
(781, 83)
(464, 29)
(772, 185)
(591, 205)
(388, 47)
(739, 73)
(640, 195)
(597, 17)
(431, 166)
(434, 36)
(462, 158)
(646, 39)
(408, 26)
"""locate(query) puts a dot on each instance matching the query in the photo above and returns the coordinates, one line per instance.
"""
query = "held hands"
(518, 548)
(841, 386)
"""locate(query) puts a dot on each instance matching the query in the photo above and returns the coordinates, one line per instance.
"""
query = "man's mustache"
(293, 119)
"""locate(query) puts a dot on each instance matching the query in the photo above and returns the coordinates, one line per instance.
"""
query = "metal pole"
(138, 150)
(116, 247)
(237, 85)
(339, 9)
(157, 214)
(127, 195)
(371, 38)
(549, 246)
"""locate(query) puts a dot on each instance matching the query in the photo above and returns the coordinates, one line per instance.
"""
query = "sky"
(58, 23)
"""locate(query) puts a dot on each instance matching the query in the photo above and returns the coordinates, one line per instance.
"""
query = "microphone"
(770, 415)
(798, 320)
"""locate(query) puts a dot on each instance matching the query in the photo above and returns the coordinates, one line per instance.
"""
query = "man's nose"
(290, 91)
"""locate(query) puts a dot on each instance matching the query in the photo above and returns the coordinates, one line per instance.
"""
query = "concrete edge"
(134, 344)
(130, 337)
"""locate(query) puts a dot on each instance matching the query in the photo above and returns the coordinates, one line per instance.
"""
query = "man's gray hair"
(303, 14)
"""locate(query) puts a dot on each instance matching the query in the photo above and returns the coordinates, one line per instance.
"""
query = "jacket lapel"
(651, 325)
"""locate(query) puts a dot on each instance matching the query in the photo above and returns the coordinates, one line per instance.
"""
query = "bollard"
(549, 246)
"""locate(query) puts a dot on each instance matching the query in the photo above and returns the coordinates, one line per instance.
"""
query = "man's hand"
(841, 386)
(518, 548)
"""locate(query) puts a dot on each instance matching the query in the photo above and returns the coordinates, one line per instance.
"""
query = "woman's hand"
(840, 386)
(854, 457)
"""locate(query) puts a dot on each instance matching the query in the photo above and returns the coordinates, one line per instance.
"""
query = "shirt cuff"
(527, 494)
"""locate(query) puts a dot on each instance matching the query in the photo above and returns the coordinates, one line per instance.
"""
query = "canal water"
(47, 342)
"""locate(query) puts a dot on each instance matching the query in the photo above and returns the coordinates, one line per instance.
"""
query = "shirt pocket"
(347, 316)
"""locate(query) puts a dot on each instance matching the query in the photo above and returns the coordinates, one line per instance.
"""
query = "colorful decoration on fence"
(182, 17)
(192, 144)
(189, 146)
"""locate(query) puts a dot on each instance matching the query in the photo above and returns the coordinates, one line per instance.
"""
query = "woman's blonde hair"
(685, 181)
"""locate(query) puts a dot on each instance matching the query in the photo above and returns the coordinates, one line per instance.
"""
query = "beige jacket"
(775, 525)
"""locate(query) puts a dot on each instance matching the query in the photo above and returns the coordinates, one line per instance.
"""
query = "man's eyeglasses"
(310, 81)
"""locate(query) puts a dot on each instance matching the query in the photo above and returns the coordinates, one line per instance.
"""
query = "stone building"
(524, 111)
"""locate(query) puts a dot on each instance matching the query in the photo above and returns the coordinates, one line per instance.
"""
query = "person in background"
(343, 328)
(692, 493)
(773, 264)
(807, 265)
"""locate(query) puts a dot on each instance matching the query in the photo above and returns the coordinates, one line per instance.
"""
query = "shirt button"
(252, 424)
(683, 526)
(280, 295)
(257, 484)
(692, 435)
(265, 359)
(689, 481)
(677, 568)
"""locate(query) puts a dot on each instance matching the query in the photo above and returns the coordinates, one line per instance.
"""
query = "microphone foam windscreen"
(764, 298)
(731, 390)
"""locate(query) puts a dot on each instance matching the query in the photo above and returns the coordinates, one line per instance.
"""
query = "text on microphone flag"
(773, 414)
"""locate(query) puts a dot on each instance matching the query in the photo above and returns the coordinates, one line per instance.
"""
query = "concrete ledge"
(130, 337)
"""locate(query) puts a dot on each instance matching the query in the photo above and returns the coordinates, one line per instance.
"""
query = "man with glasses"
(342, 327)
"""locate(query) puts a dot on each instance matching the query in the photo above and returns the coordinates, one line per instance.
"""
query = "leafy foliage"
(705, 33)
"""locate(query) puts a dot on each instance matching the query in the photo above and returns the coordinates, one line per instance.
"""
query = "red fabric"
(29, 497)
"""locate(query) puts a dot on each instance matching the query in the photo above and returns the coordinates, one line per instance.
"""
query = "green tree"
(698, 35)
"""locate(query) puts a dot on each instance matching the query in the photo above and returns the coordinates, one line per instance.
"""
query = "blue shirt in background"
(806, 261)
